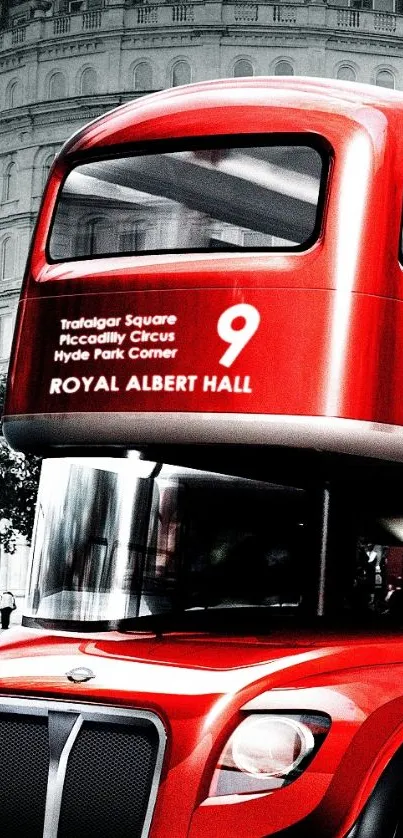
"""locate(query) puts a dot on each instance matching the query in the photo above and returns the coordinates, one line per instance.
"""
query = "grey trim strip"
(65, 720)
(323, 552)
(46, 431)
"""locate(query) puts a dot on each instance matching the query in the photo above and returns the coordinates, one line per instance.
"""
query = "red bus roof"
(154, 112)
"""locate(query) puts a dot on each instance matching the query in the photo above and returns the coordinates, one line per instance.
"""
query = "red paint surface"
(203, 683)
(283, 369)
(335, 307)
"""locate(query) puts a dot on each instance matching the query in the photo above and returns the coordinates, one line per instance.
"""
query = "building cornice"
(63, 110)
(69, 34)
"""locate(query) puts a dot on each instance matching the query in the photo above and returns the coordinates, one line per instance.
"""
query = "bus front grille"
(75, 771)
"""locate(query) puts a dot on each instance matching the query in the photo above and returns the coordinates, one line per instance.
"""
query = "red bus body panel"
(199, 687)
(327, 355)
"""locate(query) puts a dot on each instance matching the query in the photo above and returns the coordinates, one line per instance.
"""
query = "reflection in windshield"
(377, 585)
(119, 545)
(268, 198)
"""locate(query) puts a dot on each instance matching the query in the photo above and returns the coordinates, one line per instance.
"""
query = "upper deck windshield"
(222, 198)
(135, 544)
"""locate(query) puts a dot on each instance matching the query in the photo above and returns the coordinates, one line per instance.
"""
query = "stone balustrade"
(209, 14)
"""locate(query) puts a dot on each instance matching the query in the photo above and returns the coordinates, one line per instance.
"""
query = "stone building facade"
(65, 62)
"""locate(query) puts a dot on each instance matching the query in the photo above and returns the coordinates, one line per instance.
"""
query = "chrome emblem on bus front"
(80, 674)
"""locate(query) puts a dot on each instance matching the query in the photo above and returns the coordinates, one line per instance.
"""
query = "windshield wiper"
(228, 619)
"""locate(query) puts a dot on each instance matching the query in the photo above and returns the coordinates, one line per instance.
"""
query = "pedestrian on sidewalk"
(7, 605)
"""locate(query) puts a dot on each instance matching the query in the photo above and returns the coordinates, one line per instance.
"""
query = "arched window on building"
(14, 94)
(143, 76)
(181, 73)
(346, 73)
(7, 258)
(385, 78)
(88, 81)
(132, 237)
(283, 68)
(46, 169)
(242, 67)
(10, 182)
(92, 237)
(57, 86)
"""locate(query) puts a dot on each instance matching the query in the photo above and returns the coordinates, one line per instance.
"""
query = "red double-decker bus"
(209, 353)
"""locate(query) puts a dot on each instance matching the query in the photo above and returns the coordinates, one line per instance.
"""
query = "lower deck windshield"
(146, 545)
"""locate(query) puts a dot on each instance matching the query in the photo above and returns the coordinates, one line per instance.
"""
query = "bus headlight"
(267, 751)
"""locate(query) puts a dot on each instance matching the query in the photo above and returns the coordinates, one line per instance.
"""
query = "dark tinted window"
(263, 197)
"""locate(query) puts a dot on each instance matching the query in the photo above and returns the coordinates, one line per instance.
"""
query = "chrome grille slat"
(63, 729)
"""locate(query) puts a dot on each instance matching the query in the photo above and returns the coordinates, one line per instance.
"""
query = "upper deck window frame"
(317, 143)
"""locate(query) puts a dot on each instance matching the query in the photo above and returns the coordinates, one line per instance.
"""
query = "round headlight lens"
(270, 746)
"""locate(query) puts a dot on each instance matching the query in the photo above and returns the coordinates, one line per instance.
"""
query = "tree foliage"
(19, 476)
